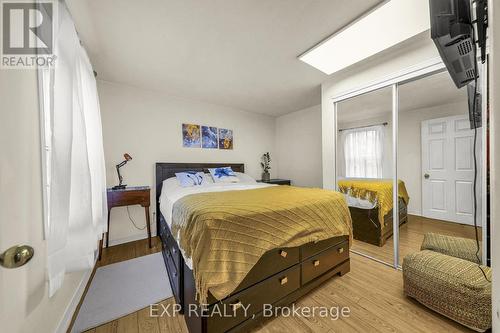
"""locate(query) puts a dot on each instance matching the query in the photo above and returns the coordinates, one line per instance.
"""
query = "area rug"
(122, 288)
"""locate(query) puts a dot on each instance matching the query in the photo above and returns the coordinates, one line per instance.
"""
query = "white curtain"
(363, 152)
(76, 195)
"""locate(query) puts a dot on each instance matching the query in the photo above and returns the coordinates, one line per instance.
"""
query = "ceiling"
(241, 54)
(430, 91)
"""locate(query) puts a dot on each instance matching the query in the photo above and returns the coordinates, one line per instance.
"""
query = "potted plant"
(266, 166)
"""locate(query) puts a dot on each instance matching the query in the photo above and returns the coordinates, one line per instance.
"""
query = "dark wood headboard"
(167, 170)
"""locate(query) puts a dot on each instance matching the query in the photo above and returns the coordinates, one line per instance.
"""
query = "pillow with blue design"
(224, 175)
(191, 178)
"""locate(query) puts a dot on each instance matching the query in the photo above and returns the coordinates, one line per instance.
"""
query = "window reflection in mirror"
(364, 170)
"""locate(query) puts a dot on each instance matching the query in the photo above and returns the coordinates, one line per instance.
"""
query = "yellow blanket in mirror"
(377, 191)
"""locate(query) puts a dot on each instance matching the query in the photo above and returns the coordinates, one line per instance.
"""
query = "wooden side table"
(276, 181)
(139, 195)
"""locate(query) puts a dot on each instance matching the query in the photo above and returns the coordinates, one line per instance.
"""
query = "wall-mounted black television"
(452, 32)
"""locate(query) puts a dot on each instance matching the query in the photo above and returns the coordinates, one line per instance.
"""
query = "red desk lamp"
(121, 186)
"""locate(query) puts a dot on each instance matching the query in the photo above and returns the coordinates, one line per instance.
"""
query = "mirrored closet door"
(364, 164)
(436, 165)
(433, 194)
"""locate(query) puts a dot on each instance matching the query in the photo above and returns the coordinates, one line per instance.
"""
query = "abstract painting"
(225, 138)
(208, 137)
(191, 136)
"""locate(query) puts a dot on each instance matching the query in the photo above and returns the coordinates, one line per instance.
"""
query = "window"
(363, 152)
(73, 158)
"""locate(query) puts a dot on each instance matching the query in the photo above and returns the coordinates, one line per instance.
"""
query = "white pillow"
(171, 184)
(207, 178)
(190, 178)
(244, 178)
(223, 175)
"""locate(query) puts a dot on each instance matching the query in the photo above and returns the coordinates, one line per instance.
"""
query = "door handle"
(16, 256)
(426, 176)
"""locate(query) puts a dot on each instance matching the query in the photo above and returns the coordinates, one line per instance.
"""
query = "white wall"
(494, 33)
(24, 302)
(298, 147)
(415, 51)
(147, 125)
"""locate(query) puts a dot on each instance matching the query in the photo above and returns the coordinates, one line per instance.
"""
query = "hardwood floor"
(373, 292)
(122, 252)
(116, 254)
(411, 235)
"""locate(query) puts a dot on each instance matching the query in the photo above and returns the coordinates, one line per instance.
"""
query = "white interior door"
(20, 198)
(24, 302)
(448, 169)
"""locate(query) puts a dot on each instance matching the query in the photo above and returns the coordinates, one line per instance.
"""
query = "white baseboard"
(447, 221)
(128, 239)
(77, 296)
(414, 213)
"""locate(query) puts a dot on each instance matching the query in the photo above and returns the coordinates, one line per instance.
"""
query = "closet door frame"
(413, 73)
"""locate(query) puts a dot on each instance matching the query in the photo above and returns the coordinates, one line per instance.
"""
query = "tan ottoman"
(458, 247)
(454, 287)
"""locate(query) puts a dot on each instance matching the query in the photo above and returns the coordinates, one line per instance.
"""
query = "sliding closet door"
(436, 164)
(364, 164)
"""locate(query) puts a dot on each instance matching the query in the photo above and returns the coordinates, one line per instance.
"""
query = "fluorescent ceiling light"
(386, 26)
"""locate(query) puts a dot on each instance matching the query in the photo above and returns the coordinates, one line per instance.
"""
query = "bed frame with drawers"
(280, 277)
(366, 225)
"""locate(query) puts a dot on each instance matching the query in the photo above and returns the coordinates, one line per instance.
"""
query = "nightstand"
(138, 195)
(276, 181)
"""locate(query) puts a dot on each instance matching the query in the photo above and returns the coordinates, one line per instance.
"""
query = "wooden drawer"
(266, 292)
(403, 209)
(173, 273)
(174, 251)
(170, 244)
(324, 261)
(272, 262)
(127, 198)
(311, 249)
(163, 232)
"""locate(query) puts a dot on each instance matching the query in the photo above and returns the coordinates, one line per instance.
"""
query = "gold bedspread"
(226, 233)
(376, 191)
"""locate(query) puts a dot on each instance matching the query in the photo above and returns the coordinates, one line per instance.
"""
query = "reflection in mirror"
(364, 170)
(435, 159)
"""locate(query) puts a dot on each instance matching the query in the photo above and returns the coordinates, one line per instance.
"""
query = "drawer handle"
(340, 250)
(236, 305)
(283, 280)
(316, 263)
(283, 253)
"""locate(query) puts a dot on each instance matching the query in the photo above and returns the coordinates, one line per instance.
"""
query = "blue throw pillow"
(224, 175)
(190, 178)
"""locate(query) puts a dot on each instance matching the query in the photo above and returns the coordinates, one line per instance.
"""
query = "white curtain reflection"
(363, 151)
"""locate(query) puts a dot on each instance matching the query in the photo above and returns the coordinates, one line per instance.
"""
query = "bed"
(371, 222)
(279, 276)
